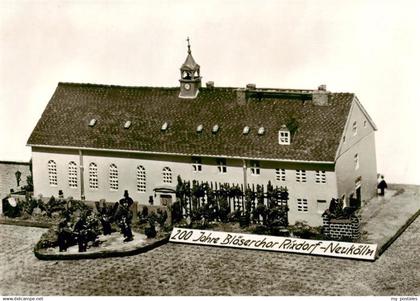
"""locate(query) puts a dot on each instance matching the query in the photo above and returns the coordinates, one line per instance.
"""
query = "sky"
(371, 48)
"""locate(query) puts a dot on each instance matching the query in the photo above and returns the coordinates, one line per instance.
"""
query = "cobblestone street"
(176, 269)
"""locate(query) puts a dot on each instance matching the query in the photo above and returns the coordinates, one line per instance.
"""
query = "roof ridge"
(286, 90)
(111, 86)
(94, 85)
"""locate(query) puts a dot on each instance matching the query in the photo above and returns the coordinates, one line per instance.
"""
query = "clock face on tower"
(187, 86)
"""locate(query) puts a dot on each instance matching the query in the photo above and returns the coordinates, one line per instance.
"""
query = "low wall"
(8, 181)
(341, 228)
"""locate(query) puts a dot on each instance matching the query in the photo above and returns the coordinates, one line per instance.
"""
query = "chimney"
(322, 88)
(251, 86)
(241, 96)
(210, 84)
(320, 96)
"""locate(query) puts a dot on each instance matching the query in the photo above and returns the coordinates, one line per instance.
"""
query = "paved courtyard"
(176, 269)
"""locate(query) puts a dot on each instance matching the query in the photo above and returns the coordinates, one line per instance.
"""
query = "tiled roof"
(65, 122)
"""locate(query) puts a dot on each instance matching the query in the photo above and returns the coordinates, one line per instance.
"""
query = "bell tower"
(190, 81)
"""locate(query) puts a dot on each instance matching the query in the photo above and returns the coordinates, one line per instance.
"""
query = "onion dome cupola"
(190, 81)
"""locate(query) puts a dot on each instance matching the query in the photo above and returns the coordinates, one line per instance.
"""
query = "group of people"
(86, 228)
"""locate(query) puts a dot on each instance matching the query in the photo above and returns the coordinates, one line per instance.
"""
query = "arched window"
(113, 177)
(72, 174)
(141, 179)
(167, 175)
(93, 176)
(52, 172)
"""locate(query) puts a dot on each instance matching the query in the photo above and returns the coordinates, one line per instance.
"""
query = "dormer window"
(246, 130)
(92, 122)
(215, 129)
(127, 124)
(164, 127)
(199, 128)
(284, 135)
(261, 131)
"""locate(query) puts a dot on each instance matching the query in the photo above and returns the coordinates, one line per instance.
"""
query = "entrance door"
(358, 197)
(356, 200)
(165, 199)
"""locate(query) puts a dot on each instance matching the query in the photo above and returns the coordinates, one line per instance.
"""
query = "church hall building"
(94, 141)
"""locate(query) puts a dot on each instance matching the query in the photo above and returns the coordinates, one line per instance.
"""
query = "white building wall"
(309, 190)
(347, 175)
(127, 174)
(62, 158)
(363, 144)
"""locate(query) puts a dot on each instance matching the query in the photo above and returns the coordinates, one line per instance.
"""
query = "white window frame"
(221, 166)
(354, 128)
(72, 174)
(93, 176)
(281, 174)
(302, 205)
(255, 168)
(197, 165)
(300, 176)
(52, 173)
(113, 177)
(320, 177)
(284, 137)
(141, 179)
(167, 175)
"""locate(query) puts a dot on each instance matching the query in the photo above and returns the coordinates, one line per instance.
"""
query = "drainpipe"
(82, 181)
(244, 169)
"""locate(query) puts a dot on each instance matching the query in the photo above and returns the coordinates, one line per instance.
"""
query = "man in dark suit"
(382, 186)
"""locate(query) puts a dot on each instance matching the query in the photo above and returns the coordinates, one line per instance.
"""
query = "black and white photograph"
(209, 148)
